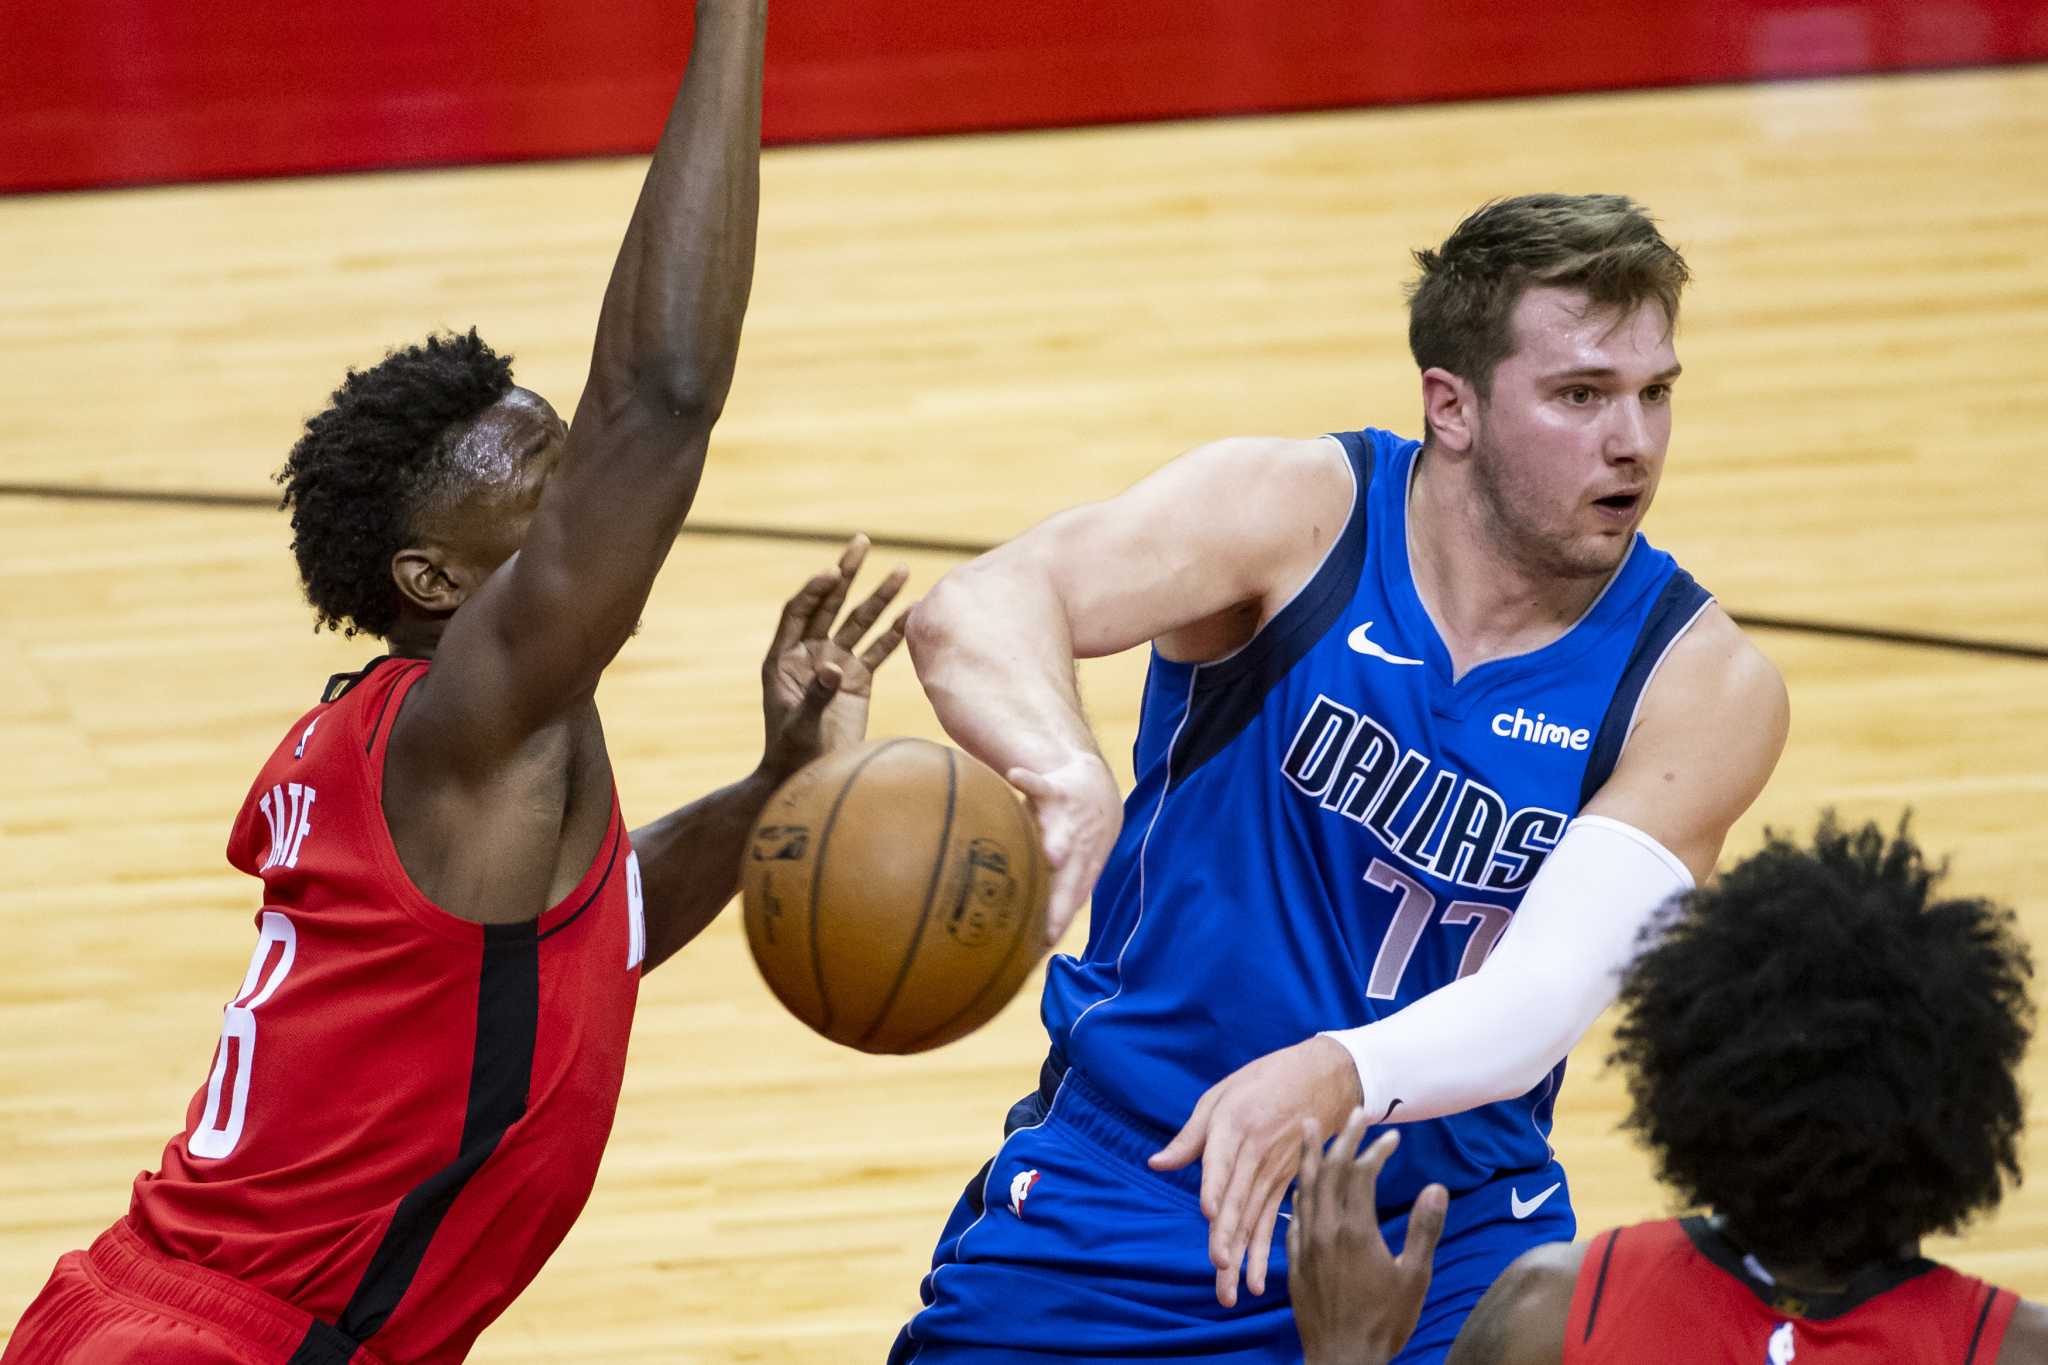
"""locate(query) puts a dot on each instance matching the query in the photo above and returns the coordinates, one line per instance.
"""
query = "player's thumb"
(1425, 1226)
(1186, 1145)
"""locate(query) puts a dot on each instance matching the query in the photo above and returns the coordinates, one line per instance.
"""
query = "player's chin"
(1597, 554)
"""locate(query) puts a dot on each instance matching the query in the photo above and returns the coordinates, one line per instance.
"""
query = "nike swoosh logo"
(1522, 1208)
(1358, 641)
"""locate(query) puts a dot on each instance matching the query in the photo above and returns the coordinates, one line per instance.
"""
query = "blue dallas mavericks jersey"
(1325, 828)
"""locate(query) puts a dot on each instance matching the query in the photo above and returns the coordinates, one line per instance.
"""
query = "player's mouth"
(1619, 507)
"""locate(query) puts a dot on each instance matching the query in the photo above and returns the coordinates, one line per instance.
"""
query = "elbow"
(682, 394)
(936, 621)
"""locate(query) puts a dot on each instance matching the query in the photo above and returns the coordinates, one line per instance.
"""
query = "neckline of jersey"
(1458, 694)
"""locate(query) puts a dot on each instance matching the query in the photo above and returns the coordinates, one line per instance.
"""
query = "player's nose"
(1628, 434)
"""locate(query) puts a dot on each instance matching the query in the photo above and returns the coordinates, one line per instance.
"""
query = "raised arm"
(1196, 556)
(535, 637)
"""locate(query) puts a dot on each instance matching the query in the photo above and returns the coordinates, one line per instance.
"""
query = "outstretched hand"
(1354, 1300)
(815, 687)
(1246, 1131)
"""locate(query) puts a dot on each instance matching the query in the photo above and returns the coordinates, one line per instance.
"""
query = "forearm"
(994, 651)
(670, 325)
(690, 863)
(1493, 1035)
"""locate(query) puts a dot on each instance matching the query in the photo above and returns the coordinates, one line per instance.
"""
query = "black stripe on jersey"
(1990, 1297)
(1600, 1285)
(1229, 694)
(1675, 608)
(323, 1344)
(501, 1071)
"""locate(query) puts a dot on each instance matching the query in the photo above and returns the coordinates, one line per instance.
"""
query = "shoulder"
(1522, 1318)
(2026, 1336)
(1278, 465)
(1714, 677)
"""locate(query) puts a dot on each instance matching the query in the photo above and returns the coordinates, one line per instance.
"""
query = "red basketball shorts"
(121, 1302)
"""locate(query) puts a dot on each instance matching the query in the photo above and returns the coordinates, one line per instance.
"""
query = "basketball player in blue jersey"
(1430, 732)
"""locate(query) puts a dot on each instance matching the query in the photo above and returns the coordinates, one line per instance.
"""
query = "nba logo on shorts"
(1020, 1190)
(1780, 1349)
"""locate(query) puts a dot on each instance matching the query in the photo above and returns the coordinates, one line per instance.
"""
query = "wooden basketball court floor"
(950, 339)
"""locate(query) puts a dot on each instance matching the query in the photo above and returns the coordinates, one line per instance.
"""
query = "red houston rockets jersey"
(406, 1110)
(1680, 1290)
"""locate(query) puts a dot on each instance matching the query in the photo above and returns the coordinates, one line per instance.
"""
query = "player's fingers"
(1226, 1287)
(1187, 1143)
(796, 612)
(1362, 1173)
(1306, 1193)
(802, 728)
(854, 555)
(1262, 1240)
(885, 643)
(1358, 1172)
(870, 609)
(828, 606)
(1425, 1226)
(1230, 1231)
(1294, 1234)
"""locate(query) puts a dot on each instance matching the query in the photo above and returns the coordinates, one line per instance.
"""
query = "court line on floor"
(176, 497)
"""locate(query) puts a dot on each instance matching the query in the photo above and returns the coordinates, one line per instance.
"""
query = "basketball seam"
(818, 880)
(931, 895)
(1016, 941)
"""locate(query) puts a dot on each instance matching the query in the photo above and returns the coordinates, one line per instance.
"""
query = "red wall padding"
(103, 92)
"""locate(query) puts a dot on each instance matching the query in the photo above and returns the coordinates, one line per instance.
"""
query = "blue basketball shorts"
(1068, 1247)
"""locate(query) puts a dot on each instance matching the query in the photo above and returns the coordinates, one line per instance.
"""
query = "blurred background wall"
(113, 92)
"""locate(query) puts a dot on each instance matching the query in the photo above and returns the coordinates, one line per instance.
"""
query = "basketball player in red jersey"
(417, 1076)
(1823, 1055)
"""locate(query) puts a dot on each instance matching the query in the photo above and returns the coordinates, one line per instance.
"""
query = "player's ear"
(426, 579)
(1449, 405)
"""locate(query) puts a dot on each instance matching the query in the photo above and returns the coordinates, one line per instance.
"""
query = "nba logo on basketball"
(987, 898)
(1780, 1349)
(1020, 1190)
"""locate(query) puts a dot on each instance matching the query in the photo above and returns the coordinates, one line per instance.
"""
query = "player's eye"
(1657, 393)
(1578, 395)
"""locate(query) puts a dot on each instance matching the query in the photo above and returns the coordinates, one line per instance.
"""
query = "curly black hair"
(370, 462)
(1824, 1054)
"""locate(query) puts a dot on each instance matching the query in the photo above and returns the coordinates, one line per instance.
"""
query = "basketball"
(895, 895)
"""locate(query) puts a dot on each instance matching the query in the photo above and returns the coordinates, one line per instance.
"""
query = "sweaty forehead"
(505, 437)
(1556, 329)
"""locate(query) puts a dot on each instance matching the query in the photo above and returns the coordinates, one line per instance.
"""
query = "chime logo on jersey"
(1440, 822)
(1780, 1351)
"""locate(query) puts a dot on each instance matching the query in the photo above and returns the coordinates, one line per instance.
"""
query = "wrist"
(1350, 1077)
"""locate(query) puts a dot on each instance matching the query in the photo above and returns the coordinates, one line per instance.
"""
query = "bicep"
(1714, 722)
(1227, 524)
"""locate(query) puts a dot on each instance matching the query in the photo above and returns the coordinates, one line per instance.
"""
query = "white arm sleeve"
(1492, 1035)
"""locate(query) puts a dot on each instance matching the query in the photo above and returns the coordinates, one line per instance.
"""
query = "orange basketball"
(895, 895)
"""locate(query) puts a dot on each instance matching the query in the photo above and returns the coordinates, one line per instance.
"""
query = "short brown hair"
(1460, 308)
